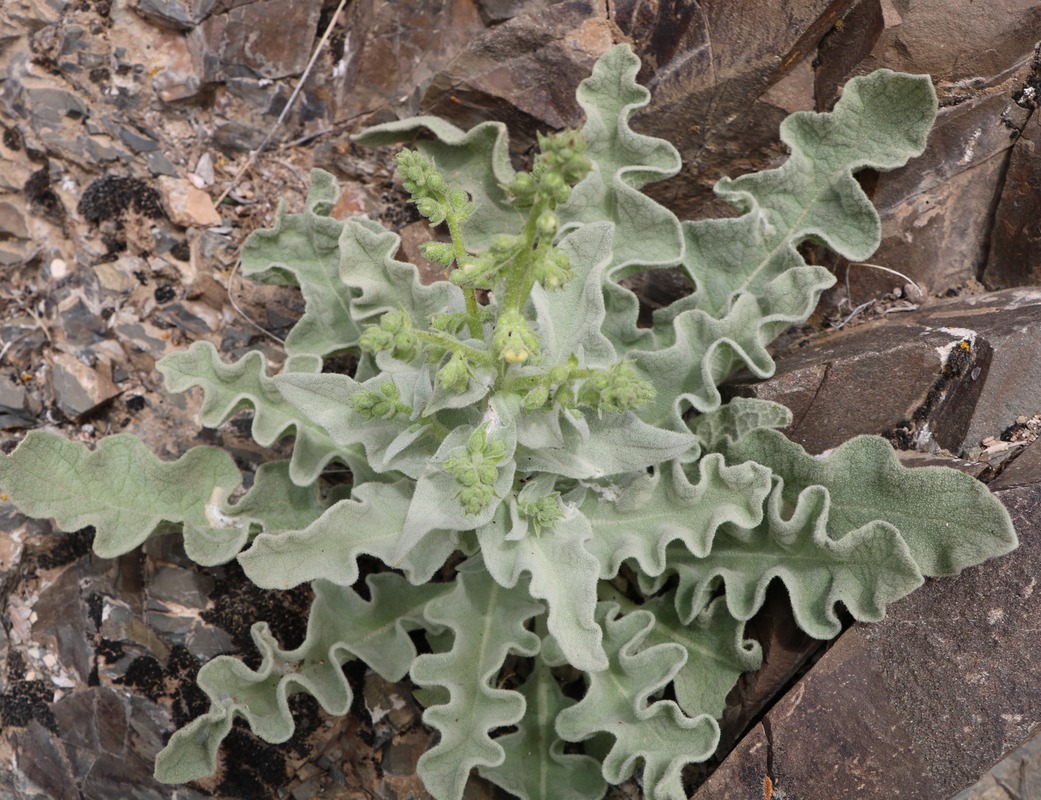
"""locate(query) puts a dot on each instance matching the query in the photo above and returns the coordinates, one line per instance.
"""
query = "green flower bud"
(439, 252)
(536, 398)
(455, 375)
(547, 223)
(559, 374)
(514, 340)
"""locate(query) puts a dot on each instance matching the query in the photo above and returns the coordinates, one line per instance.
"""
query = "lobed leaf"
(381, 283)
(617, 703)
(391, 445)
(948, 519)
(488, 623)
(304, 249)
(647, 235)
(717, 653)
(230, 388)
(881, 121)
(369, 522)
(341, 626)
(536, 766)
(660, 508)
(864, 569)
(563, 573)
(122, 489)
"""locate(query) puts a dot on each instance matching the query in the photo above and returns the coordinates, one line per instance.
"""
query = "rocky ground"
(127, 128)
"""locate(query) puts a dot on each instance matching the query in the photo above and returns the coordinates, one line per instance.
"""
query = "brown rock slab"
(1015, 245)
(266, 39)
(918, 705)
(911, 378)
(393, 52)
(525, 71)
(79, 388)
(917, 384)
(1015, 777)
(936, 214)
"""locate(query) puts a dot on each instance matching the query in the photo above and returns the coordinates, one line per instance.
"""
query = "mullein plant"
(516, 438)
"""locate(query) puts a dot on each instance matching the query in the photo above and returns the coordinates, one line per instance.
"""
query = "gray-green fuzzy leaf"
(563, 573)
(341, 626)
(230, 388)
(949, 520)
(536, 766)
(370, 522)
(305, 248)
(647, 234)
(658, 509)
(617, 703)
(488, 623)
(122, 489)
(881, 121)
(864, 569)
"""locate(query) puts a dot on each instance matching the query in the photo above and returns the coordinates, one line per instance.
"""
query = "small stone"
(59, 269)
(204, 171)
(178, 79)
(78, 388)
(187, 206)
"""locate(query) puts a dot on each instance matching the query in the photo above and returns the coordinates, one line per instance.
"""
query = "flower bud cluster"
(560, 164)
(514, 341)
(475, 469)
(616, 388)
(455, 375)
(556, 384)
(552, 268)
(545, 512)
(431, 194)
(393, 333)
(383, 402)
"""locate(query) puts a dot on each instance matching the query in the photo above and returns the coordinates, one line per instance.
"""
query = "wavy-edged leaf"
(275, 503)
(705, 350)
(719, 429)
(563, 573)
(617, 703)
(305, 248)
(536, 766)
(369, 522)
(396, 444)
(570, 317)
(660, 508)
(613, 444)
(121, 488)
(380, 283)
(646, 233)
(341, 627)
(881, 121)
(477, 160)
(488, 623)
(949, 520)
(230, 388)
(717, 653)
(865, 569)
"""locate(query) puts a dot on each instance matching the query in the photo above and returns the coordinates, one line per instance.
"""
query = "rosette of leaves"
(516, 438)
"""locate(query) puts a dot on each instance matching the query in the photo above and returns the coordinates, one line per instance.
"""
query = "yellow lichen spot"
(965, 345)
(839, 24)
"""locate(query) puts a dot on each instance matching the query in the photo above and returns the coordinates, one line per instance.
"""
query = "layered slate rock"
(918, 705)
(1014, 258)
(941, 378)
